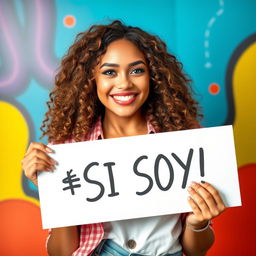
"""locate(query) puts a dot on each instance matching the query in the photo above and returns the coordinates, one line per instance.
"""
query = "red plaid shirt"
(92, 234)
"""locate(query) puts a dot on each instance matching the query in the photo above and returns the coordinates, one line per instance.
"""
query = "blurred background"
(216, 42)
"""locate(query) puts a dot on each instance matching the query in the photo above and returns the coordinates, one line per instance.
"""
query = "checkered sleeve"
(90, 237)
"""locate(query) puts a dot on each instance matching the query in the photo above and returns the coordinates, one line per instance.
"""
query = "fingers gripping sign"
(37, 159)
(206, 204)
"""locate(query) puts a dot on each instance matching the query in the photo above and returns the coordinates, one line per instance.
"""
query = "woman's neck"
(115, 126)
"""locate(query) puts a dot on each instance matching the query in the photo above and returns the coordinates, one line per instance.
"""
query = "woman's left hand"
(206, 204)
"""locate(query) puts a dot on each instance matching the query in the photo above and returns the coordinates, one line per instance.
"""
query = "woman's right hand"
(36, 159)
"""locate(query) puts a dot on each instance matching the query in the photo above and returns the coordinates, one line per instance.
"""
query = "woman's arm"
(63, 241)
(197, 243)
(206, 204)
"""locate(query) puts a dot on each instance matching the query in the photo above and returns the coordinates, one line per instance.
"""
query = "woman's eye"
(138, 71)
(109, 72)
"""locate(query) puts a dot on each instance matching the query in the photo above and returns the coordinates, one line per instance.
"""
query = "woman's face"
(122, 79)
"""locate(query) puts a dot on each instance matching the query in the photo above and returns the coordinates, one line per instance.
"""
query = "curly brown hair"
(74, 105)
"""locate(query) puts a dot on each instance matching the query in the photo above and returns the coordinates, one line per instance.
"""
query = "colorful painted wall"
(215, 40)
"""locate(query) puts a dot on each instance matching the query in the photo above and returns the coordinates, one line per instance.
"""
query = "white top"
(153, 235)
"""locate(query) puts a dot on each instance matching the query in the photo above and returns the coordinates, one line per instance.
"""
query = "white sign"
(138, 176)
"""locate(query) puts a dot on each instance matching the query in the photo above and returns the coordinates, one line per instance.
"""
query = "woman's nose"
(124, 83)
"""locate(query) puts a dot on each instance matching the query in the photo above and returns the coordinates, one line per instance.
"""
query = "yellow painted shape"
(14, 134)
(244, 88)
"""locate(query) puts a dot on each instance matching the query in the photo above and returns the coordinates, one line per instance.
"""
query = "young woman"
(115, 81)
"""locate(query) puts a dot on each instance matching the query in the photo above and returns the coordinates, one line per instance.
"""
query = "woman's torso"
(156, 235)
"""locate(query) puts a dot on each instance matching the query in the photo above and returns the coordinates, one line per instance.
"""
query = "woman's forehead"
(122, 51)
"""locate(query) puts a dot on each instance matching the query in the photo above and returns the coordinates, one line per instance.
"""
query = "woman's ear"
(95, 69)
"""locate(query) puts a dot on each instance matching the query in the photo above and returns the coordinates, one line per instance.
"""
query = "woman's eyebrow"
(136, 63)
(109, 65)
(116, 65)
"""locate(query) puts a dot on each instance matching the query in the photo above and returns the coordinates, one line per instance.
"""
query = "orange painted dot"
(69, 21)
(214, 88)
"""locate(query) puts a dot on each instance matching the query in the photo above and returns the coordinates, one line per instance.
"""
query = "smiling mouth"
(124, 99)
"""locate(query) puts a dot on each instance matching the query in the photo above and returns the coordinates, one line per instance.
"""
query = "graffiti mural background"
(216, 42)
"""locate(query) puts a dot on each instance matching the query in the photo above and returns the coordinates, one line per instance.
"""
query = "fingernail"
(193, 183)
(49, 150)
(189, 188)
(52, 169)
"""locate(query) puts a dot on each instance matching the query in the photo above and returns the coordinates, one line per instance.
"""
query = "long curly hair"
(74, 107)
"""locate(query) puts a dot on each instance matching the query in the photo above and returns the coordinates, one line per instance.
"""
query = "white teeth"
(123, 98)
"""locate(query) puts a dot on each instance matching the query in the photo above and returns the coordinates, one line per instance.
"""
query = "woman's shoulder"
(95, 133)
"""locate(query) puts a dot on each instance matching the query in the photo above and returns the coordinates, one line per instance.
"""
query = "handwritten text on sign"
(138, 176)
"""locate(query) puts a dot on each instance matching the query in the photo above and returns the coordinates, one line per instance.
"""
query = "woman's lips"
(124, 98)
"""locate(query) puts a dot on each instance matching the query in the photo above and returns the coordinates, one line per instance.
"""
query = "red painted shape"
(214, 88)
(21, 229)
(235, 229)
